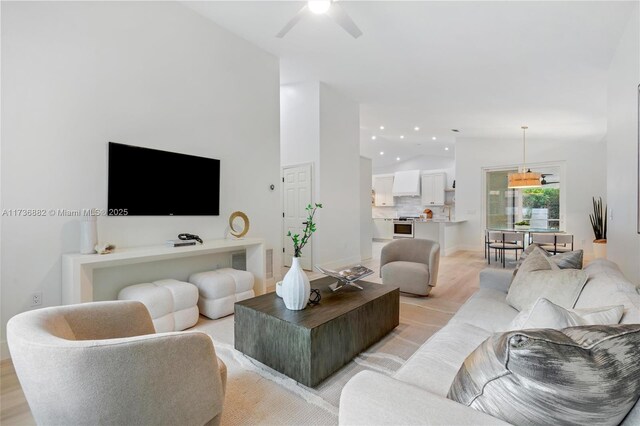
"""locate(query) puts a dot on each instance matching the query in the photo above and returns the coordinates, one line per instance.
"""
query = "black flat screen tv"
(150, 182)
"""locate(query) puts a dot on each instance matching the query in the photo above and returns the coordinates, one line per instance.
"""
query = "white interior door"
(297, 196)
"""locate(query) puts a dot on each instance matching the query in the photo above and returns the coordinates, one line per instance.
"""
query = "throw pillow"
(568, 260)
(575, 376)
(546, 314)
(538, 277)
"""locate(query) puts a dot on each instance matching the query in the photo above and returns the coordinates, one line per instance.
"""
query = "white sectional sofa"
(416, 394)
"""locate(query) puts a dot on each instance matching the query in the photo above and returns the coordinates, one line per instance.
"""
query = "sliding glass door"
(539, 207)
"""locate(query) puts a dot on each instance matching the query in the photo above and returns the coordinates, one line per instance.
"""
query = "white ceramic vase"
(600, 249)
(88, 234)
(295, 287)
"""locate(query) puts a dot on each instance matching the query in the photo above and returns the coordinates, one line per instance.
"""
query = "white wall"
(423, 162)
(623, 241)
(366, 223)
(76, 75)
(321, 126)
(585, 177)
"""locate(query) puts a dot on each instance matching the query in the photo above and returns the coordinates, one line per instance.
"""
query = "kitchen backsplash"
(410, 206)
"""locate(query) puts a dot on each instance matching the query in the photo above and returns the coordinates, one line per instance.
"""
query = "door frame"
(282, 219)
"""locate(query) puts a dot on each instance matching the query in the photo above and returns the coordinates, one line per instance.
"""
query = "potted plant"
(599, 224)
(522, 225)
(295, 285)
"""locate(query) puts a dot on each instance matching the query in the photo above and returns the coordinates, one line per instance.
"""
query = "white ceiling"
(485, 68)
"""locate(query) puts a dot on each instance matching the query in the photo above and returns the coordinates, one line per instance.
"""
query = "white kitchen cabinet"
(382, 229)
(433, 185)
(383, 185)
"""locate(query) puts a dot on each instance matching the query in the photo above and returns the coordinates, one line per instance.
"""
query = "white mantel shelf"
(77, 269)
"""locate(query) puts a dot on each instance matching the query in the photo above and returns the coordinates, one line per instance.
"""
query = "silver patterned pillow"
(575, 376)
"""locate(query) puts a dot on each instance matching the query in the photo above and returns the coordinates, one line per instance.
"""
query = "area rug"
(257, 394)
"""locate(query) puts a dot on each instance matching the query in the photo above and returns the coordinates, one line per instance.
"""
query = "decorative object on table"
(88, 234)
(599, 224)
(279, 289)
(238, 224)
(295, 285)
(525, 178)
(521, 226)
(428, 213)
(347, 276)
(315, 297)
(105, 248)
(180, 243)
(190, 237)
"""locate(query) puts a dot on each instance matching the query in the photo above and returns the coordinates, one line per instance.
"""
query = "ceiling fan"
(320, 7)
(544, 181)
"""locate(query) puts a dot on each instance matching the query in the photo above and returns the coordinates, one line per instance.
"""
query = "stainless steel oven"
(403, 227)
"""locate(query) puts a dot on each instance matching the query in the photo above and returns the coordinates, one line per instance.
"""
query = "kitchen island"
(446, 232)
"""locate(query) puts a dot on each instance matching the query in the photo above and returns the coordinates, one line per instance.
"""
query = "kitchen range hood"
(406, 184)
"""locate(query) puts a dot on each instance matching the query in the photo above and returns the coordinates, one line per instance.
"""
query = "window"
(540, 207)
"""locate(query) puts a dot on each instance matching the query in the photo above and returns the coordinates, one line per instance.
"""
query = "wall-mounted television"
(150, 182)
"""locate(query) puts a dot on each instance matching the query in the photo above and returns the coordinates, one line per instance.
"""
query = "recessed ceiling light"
(446, 148)
(397, 158)
(433, 138)
(319, 6)
(416, 128)
(381, 152)
(381, 127)
(373, 138)
(401, 136)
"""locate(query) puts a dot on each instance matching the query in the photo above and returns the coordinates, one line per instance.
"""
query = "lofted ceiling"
(484, 68)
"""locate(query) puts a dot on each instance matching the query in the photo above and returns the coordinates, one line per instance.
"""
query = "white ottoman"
(220, 289)
(172, 304)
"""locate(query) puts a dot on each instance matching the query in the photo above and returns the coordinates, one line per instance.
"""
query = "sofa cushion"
(486, 309)
(546, 314)
(607, 285)
(579, 375)
(436, 363)
(538, 277)
(567, 260)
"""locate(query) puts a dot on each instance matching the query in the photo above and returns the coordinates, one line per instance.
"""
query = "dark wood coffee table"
(311, 344)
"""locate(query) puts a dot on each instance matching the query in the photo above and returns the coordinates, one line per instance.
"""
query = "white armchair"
(103, 363)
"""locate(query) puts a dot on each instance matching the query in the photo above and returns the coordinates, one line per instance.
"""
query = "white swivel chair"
(410, 264)
(103, 363)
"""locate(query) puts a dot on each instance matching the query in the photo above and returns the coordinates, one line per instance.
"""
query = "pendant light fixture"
(525, 178)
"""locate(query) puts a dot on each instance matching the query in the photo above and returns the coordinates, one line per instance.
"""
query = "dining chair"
(554, 243)
(507, 241)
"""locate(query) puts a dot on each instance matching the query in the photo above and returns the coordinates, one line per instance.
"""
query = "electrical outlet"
(36, 298)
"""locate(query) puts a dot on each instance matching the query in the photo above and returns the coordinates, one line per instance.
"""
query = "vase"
(600, 249)
(88, 234)
(295, 287)
(279, 289)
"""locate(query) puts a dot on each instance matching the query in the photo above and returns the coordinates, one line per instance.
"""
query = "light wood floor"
(458, 279)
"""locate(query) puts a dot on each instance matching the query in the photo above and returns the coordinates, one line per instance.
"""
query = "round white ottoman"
(172, 304)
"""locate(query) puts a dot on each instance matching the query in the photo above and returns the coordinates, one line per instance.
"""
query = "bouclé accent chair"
(103, 363)
(411, 264)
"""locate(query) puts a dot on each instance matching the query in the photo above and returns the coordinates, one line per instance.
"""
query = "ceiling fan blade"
(292, 22)
(340, 16)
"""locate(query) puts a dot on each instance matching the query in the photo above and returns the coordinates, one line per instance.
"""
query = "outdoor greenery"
(542, 198)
